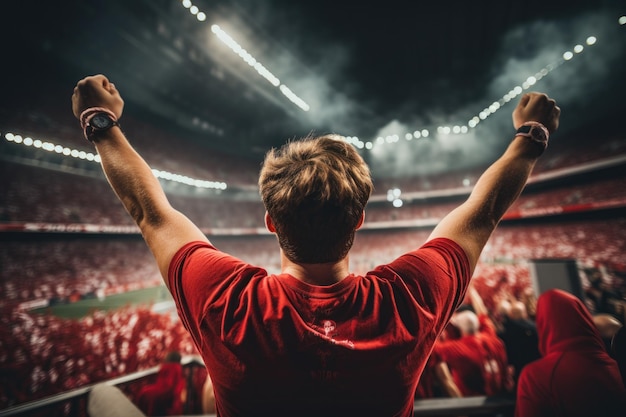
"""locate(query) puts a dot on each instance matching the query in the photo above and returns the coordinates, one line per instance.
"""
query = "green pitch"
(85, 307)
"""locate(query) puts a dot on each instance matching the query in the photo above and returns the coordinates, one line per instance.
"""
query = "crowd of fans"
(61, 270)
(130, 339)
(42, 195)
(40, 354)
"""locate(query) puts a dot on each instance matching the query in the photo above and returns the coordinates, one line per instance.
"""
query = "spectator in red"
(499, 373)
(437, 380)
(167, 395)
(311, 339)
(575, 376)
(474, 369)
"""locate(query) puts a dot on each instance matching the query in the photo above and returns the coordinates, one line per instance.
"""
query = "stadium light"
(247, 57)
(94, 157)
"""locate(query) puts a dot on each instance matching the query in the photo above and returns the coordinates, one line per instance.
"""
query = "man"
(575, 375)
(315, 339)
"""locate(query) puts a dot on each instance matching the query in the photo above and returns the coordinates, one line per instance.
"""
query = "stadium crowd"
(40, 355)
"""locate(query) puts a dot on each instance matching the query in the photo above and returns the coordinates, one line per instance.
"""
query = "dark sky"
(400, 66)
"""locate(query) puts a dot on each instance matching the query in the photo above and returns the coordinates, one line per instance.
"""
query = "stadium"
(210, 87)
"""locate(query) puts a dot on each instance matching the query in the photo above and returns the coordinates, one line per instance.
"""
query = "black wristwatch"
(98, 122)
(535, 131)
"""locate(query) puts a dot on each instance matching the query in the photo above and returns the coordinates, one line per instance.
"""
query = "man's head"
(315, 191)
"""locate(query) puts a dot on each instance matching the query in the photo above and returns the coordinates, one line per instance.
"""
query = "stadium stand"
(59, 218)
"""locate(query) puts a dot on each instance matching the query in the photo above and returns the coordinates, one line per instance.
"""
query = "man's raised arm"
(471, 224)
(96, 102)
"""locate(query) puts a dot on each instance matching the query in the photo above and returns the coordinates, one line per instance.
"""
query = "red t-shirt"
(274, 344)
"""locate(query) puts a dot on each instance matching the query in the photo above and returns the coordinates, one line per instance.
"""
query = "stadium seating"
(41, 354)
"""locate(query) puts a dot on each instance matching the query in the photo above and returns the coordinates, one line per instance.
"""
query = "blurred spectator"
(498, 378)
(519, 334)
(166, 396)
(208, 396)
(575, 376)
(599, 295)
(437, 380)
(474, 368)
(607, 326)
(618, 350)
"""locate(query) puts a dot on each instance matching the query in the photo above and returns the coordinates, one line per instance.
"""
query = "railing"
(469, 406)
(74, 403)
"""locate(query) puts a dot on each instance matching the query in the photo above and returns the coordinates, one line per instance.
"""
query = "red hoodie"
(575, 376)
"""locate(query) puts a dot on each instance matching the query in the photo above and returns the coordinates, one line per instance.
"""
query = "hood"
(563, 323)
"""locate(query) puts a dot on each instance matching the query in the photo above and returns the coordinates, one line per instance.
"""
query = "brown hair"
(315, 190)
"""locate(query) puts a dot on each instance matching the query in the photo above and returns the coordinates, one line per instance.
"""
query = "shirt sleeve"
(199, 277)
(437, 274)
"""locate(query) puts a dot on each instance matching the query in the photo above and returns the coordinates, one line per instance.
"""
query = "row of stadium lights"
(94, 157)
(481, 116)
(417, 134)
(247, 57)
(393, 195)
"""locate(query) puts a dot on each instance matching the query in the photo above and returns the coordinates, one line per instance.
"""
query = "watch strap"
(526, 130)
(88, 114)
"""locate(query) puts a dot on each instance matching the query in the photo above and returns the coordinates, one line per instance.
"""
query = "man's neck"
(316, 274)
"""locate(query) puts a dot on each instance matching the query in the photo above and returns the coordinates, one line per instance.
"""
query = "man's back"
(315, 192)
(276, 343)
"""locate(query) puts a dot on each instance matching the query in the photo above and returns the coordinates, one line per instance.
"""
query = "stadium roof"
(246, 75)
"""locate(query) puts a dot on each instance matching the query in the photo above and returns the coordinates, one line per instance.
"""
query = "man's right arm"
(470, 225)
(164, 229)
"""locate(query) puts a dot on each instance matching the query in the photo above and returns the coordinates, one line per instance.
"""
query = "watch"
(535, 131)
(98, 122)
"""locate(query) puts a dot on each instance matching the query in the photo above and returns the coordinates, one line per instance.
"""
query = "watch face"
(538, 134)
(101, 121)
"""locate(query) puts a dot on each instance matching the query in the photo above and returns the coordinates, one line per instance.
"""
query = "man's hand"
(96, 91)
(537, 107)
